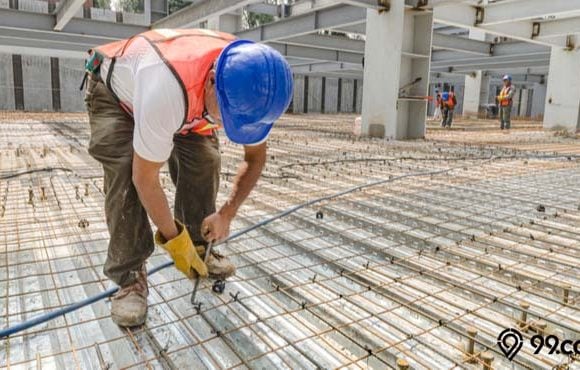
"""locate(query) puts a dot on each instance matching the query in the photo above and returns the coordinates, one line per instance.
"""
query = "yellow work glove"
(183, 252)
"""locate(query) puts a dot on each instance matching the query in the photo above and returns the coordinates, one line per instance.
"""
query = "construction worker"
(158, 98)
(448, 103)
(438, 100)
(505, 102)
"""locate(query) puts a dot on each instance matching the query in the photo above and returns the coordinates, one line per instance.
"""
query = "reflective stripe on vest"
(189, 54)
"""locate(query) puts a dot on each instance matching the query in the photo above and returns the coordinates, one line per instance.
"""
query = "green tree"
(132, 6)
(175, 5)
(255, 19)
(102, 4)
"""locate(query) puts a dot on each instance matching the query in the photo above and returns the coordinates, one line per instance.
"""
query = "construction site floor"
(396, 271)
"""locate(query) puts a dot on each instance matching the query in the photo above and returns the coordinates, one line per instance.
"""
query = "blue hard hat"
(507, 77)
(254, 88)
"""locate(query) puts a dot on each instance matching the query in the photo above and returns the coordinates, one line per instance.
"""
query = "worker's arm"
(217, 226)
(152, 196)
(511, 93)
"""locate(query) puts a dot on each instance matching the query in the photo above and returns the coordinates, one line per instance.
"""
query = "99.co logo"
(511, 341)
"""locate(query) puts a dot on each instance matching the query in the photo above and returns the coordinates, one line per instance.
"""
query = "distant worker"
(437, 113)
(448, 103)
(505, 102)
(158, 98)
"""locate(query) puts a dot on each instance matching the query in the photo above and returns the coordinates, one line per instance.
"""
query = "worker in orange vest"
(505, 102)
(448, 103)
(160, 97)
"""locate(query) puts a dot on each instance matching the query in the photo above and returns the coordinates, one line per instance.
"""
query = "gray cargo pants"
(194, 167)
(505, 116)
(447, 117)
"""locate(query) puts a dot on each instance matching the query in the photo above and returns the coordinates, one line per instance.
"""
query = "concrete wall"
(298, 100)
(6, 82)
(41, 84)
(326, 95)
(71, 75)
(35, 6)
(346, 105)
(331, 95)
(36, 83)
(315, 94)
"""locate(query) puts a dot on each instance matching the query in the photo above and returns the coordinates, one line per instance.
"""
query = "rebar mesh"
(395, 271)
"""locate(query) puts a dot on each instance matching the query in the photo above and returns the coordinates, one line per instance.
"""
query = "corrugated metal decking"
(398, 271)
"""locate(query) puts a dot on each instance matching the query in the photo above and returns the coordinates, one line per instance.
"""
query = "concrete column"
(473, 83)
(472, 94)
(382, 71)
(485, 89)
(525, 93)
(6, 82)
(563, 93)
(147, 11)
(224, 23)
(397, 52)
(159, 9)
(538, 100)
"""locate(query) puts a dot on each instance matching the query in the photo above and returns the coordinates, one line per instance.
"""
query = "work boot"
(218, 266)
(129, 304)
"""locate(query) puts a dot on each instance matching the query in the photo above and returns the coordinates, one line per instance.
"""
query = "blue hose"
(37, 320)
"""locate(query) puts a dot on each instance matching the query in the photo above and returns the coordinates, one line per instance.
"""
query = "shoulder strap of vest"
(175, 74)
(108, 78)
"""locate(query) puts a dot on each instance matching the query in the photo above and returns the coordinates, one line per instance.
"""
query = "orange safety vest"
(450, 102)
(189, 54)
(504, 101)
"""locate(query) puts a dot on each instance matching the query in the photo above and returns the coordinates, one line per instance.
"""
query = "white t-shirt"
(141, 79)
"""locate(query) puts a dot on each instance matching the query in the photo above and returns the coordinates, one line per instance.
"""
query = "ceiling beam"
(10, 45)
(327, 42)
(327, 67)
(199, 12)
(360, 28)
(462, 44)
(468, 16)
(303, 24)
(563, 27)
(444, 42)
(41, 22)
(370, 4)
(305, 52)
(520, 10)
(492, 66)
(520, 58)
(65, 11)
(263, 8)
